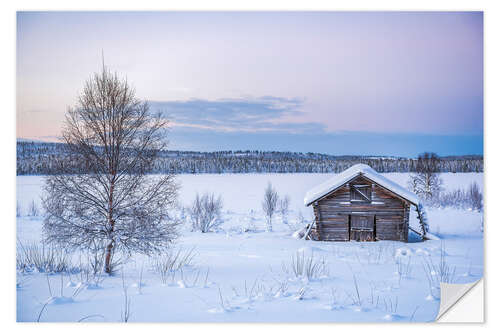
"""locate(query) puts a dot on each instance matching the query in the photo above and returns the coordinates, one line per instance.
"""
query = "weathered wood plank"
(332, 213)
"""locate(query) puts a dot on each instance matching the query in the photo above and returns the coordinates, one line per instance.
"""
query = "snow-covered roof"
(359, 169)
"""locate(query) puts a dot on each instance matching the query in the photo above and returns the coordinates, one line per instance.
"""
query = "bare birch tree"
(109, 199)
(426, 182)
(270, 205)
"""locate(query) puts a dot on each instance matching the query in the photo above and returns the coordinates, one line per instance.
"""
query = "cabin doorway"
(362, 228)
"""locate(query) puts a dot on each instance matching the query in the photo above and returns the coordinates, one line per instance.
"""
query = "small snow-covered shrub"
(95, 262)
(282, 288)
(19, 210)
(334, 301)
(251, 226)
(41, 258)
(404, 267)
(125, 314)
(305, 267)
(91, 269)
(390, 305)
(206, 212)
(440, 272)
(182, 212)
(33, 210)
(470, 198)
(376, 254)
(301, 293)
(456, 198)
(356, 297)
(61, 298)
(284, 208)
(475, 196)
(89, 278)
(171, 261)
(299, 223)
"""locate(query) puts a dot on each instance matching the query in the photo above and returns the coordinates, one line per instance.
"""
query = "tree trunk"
(107, 264)
(109, 248)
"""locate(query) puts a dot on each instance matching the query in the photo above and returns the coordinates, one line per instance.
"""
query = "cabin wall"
(333, 213)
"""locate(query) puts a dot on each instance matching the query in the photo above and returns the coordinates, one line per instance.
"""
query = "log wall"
(333, 213)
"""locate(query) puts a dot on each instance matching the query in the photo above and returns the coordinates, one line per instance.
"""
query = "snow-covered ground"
(242, 273)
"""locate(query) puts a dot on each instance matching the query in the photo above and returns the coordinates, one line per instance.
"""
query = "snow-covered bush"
(206, 212)
(305, 267)
(298, 223)
(19, 210)
(33, 210)
(88, 276)
(125, 314)
(438, 272)
(251, 226)
(470, 198)
(284, 208)
(403, 267)
(92, 266)
(171, 261)
(456, 198)
(475, 196)
(270, 205)
(34, 257)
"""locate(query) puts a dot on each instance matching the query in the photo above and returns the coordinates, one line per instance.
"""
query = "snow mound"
(357, 308)
(422, 252)
(403, 252)
(93, 286)
(298, 234)
(334, 307)
(60, 300)
(358, 169)
(305, 249)
(393, 317)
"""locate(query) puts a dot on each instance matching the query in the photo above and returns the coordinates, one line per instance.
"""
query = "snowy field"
(243, 274)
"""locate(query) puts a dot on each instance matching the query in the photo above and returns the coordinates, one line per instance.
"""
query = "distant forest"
(40, 158)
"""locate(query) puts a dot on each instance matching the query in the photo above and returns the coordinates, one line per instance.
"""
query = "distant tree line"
(36, 158)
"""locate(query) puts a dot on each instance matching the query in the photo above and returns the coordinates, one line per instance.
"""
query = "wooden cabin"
(362, 205)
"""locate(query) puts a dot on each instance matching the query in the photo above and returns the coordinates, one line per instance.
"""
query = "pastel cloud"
(264, 114)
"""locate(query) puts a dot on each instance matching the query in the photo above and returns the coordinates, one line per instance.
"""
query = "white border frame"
(8, 126)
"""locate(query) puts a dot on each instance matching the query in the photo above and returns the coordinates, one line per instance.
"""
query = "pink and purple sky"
(371, 83)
